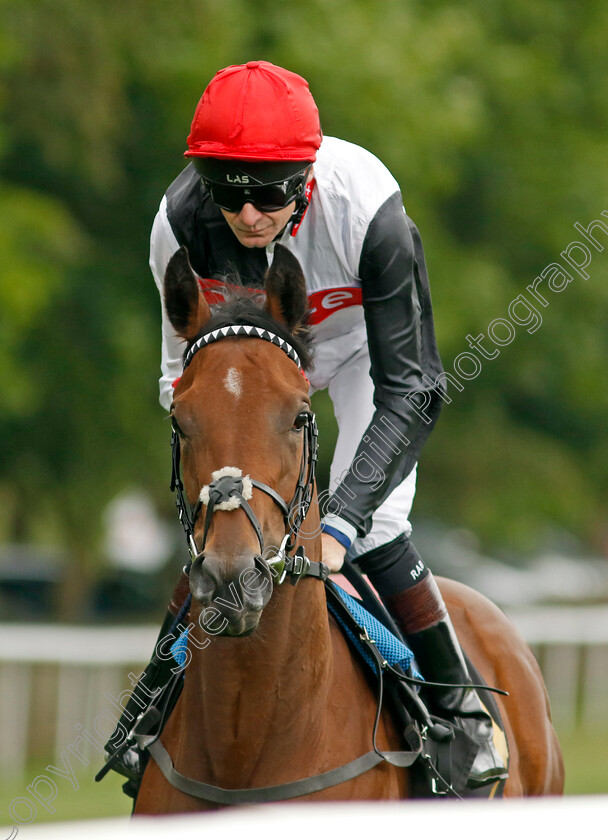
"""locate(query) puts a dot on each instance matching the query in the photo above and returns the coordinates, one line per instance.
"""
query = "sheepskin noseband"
(227, 489)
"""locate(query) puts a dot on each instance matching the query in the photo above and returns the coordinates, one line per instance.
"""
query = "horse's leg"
(505, 661)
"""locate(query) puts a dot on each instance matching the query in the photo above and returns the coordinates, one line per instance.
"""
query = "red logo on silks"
(327, 301)
(215, 290)
(322, 304)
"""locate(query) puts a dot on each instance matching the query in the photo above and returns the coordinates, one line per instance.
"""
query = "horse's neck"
(249, 695)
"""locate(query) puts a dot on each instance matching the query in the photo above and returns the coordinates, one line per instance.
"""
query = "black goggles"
(267, 198)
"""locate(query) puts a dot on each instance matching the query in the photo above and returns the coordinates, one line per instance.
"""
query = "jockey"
(260, 172)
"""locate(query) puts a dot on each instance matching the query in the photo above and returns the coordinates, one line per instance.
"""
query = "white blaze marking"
(232, 381)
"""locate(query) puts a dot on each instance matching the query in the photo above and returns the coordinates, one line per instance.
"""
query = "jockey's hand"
(333, 552)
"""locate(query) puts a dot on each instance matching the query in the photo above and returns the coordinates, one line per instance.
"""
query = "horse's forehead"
(243, 359)
(233, 382)
(236, 368)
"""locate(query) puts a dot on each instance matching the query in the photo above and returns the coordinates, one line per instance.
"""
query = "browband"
(235, 330)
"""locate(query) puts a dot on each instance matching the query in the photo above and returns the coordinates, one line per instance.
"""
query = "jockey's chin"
(255, 229)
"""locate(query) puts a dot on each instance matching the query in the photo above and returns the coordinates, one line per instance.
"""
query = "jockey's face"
(255, 229)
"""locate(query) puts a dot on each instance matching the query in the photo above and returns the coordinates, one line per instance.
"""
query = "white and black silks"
(369, 297)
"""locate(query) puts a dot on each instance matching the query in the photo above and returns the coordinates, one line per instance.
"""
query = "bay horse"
(277, 694)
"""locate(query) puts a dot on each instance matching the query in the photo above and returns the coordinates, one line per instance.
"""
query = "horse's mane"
(241, 307)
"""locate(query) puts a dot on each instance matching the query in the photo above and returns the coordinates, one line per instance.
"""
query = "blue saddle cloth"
(389, 646)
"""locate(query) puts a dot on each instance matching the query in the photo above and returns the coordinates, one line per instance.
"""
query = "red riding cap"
(256, 111)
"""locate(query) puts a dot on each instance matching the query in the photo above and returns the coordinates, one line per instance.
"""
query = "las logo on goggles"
(267, 198)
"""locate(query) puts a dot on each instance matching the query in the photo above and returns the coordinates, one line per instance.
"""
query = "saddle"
(442, 768)
(438, 753)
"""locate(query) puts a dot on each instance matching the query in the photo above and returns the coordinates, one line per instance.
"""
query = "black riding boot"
(422, 616)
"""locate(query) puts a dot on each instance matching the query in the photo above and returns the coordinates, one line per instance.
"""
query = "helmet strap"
(302, 202)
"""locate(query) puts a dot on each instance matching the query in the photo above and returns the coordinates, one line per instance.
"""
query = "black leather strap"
(273, 793)
(273, 495)
(253, 519)
(300, 566)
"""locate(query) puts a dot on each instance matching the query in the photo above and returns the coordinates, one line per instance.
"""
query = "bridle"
(227, 490)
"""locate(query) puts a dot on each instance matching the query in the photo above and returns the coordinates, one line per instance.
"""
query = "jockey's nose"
(249, 214)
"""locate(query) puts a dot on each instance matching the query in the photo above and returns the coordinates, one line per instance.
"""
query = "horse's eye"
(300, 421)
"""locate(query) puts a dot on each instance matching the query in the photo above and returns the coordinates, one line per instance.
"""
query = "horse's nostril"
(261, 568)
(256, 582)
(273, 565)
(199, 559)
(204, 580)
(242, 586)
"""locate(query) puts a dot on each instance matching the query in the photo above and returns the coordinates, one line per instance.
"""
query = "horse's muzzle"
(232, 594)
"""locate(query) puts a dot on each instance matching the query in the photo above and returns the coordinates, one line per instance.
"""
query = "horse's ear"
(285, 289)
(186, 306)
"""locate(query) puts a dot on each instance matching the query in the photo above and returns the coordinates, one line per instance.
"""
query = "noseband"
(230, 490)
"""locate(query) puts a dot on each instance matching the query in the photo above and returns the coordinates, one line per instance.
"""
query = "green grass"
(585, 755)
(92, 800)
(586, 760)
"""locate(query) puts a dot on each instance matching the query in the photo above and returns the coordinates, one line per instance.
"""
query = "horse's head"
(241, 410)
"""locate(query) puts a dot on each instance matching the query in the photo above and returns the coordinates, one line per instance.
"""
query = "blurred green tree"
(493, 119)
